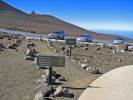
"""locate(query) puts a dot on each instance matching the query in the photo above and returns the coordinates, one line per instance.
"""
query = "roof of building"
(114, 85)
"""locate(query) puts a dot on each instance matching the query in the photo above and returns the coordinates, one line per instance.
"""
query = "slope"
(10, 16)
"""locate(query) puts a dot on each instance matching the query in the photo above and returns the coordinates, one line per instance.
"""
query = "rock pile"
(30, 44)
(30, 54)
(1, 46)
(50, 90)
(95, 71)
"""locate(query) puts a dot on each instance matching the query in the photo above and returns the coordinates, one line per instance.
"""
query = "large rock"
(30, 52)
(103, 45)
(1, 45)
(11, 46)
(98, 48)
(43, 79)
(119, 60)
(121, 48)
(1, 37)
(88, 68)
(130, 48)
(54, 74)
(65, 92)
(45, 89)
(39, 96)
(30, 44)
(95, 71)
(114, 51)
(46, 71)
(62, 78)
(58, 91)
(63, 48)
(85, 61)
(86, 48)
(84, 66)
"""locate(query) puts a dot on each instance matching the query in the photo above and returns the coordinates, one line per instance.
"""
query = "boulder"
(46, 72)
(84, 66)
(103, 45)
(35, 60)
(1, 45)
(9, 38)
(65, 92)
(85, 61)
(30, 44)
(53, 80)
(39, 96)
(41, 86)
(63, 48)
(86, 48)
(67, 51)
(28, 58)
(43, 79)
(15, 44)
(123, 51)
(114, 51)
(1, 37)
(98, 48)
(119, 60)
(88, 68)
(75, 46)
(96, 71)
(45, 89)
(11, 46)
(30, 52)
(56, 50)
(62, 78)
(58, 91)
(54, 73)
(130, 48)
(52, 46)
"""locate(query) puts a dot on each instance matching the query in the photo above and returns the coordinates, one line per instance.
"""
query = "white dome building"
(114, 85)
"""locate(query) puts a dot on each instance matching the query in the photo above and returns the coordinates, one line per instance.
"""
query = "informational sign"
(70, 41)
(48, 61)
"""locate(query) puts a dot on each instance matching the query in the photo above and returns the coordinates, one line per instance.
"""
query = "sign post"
(70, 42)
(70, 50)
(48, 62)
(50, 75)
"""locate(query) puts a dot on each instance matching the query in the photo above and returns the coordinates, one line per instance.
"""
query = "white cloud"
(106, 26)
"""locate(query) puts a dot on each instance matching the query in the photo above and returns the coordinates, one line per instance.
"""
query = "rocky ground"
(18, 76)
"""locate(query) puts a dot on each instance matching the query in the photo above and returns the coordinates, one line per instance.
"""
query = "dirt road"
(18, 77)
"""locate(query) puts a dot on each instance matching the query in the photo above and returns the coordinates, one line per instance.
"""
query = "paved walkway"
(114, 85)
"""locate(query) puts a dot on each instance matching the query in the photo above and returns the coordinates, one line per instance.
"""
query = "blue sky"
(89, 14)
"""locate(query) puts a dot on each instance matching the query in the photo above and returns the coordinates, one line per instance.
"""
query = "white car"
(85, 38)
(119, 40)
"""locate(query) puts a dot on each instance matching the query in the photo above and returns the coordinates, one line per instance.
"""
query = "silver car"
(57, 35)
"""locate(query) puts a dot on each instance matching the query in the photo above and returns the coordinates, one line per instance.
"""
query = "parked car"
(84, 38)
(57, 35)
(119, 40)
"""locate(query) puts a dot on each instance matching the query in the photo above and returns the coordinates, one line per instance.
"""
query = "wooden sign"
(70, 41)
(47, 61)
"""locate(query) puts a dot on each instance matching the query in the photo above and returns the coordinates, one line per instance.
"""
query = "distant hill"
(10, 16)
